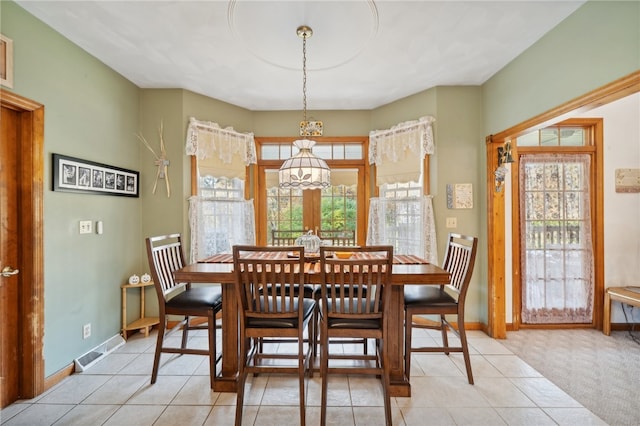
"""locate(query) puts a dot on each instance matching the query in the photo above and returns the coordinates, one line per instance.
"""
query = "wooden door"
(21, 248)
(9, 279)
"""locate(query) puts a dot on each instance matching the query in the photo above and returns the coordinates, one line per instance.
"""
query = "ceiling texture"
(363, 53)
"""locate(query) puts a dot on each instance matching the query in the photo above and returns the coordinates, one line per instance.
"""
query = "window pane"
(270, 152)
(338, 151)
(530, 139)
(549, 137)
(353, 151)
(571, 137)
(322, 150)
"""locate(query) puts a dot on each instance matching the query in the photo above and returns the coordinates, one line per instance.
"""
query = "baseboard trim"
(58, 376)
(623, 326)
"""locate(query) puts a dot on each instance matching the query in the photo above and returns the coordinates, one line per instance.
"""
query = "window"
(219, 216)
(403, 214)
(555, 136)
(335, 211)
(220, 200)
(403, 217)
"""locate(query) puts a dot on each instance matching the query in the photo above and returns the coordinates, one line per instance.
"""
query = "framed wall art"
(75, 175)
(627, 180)
(459, 196)
(6, 61)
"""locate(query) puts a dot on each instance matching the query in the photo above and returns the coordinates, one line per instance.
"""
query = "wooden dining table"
(407, 270)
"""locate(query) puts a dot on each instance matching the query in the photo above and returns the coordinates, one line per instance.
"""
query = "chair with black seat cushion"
(443, 300)
(352, 305)
(270, 308)
(165, 256)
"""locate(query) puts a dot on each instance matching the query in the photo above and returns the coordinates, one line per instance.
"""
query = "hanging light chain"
(304, 77)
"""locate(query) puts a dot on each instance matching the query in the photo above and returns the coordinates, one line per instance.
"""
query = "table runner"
(399, 259)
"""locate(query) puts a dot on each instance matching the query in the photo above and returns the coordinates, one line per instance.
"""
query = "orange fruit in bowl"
(343, 254)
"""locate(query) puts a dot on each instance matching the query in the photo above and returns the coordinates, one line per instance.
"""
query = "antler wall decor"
(161, 161)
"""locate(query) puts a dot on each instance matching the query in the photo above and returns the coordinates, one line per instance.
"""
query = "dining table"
(407, 270)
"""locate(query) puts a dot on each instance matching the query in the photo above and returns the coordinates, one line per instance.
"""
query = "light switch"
(85, 226)
(451, 222)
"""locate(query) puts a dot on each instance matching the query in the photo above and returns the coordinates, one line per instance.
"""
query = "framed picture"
(75, 175)
(459, 196)
(6, 61)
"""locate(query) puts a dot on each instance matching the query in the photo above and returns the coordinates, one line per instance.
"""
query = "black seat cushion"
(358, 323)
(205, 297)
(307, 307)
(427, 295)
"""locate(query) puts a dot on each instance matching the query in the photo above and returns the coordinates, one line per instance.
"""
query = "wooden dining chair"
(352, 305)
(265, 278)
(165, 256)
(443, 300)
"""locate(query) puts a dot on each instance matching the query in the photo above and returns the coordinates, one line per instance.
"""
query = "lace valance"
(398, 152)
(220, 148)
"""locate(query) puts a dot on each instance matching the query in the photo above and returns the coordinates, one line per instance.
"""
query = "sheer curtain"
(416, 234)
(218, 222)
(217, 225)
(557, 248)
(406, 223)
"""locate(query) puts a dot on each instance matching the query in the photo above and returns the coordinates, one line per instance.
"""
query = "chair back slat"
(332, 237)
(459, 261)
(353, 287)
(165, 256)
(266, 278)
(285, 238)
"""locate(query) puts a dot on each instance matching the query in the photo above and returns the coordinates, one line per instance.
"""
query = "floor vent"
(96, 354)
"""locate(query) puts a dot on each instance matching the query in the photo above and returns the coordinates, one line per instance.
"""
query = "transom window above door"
(327, 151)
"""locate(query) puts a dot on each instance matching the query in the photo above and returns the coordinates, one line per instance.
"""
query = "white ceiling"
(363, 53)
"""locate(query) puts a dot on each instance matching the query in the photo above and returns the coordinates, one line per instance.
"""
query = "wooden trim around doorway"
(613, 91)
(31, 248)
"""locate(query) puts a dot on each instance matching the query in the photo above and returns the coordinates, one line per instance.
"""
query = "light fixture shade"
(304, 170)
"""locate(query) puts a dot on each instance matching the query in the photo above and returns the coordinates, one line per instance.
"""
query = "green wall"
(458, 151)
(94, 113)
(597, 44)
(91, 112)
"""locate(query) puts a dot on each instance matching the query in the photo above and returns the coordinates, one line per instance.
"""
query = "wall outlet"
(85, 226)
(86, 331)
(451, 222)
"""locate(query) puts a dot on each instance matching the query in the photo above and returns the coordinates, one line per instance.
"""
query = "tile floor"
(116, 391)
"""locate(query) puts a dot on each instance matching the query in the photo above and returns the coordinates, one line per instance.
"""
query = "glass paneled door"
(557, 248)
(331, 213)
(337, 214)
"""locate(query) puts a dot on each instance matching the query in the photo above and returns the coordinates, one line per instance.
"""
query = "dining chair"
(165, 255)
(352, 305)
(443, 300)
(265, 278)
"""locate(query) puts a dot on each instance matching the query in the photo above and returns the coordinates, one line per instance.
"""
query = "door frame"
(31, 379)
(496, 280)
(594, 127)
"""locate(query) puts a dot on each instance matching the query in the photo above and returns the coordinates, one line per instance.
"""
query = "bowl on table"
(343, 254)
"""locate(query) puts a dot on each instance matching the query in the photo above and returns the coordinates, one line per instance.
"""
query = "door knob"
(8, 271)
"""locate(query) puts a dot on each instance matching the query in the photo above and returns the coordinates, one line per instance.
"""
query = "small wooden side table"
(142, 323)
(629, 295)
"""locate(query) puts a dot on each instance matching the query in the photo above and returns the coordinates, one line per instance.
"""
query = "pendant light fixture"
(304, 170)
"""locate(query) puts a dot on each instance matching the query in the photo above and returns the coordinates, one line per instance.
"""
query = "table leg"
(227, 380)
(394, 342)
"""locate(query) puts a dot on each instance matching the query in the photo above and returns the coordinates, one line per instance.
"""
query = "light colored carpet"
(601, 372)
